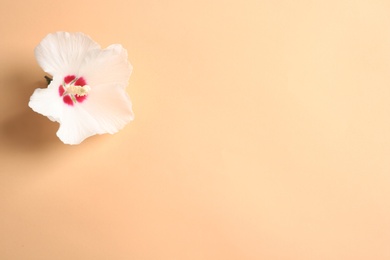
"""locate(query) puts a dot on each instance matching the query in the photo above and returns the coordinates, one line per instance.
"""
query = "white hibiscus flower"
(87, 95)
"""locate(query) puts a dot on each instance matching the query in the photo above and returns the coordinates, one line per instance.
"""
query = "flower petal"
(62, 53)
(47, 101)
(108, 66)
(75, 126)
(112, 109)
(103, 112)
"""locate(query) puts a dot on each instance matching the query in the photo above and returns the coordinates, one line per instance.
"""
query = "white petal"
(47, 101)
(75, 126)
(62, 53)
(103, 112)
(110, 107)
(108, 66)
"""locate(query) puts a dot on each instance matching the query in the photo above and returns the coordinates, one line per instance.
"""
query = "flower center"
(77, 90)
(73, 90)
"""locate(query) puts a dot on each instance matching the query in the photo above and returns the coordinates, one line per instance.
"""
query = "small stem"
(48, 79)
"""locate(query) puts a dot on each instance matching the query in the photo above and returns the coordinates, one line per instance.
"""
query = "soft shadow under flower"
(21, 129)
(28, 131)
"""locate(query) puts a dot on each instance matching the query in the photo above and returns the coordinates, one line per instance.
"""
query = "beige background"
(262, 131)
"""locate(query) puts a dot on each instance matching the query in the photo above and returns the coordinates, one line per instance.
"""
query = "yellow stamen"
(78, 90)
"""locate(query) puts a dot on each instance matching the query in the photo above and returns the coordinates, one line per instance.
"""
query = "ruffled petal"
(103, 112)
(47, 101)
(110, 107)
(63, 53)
(108, 66)
(75, 126)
